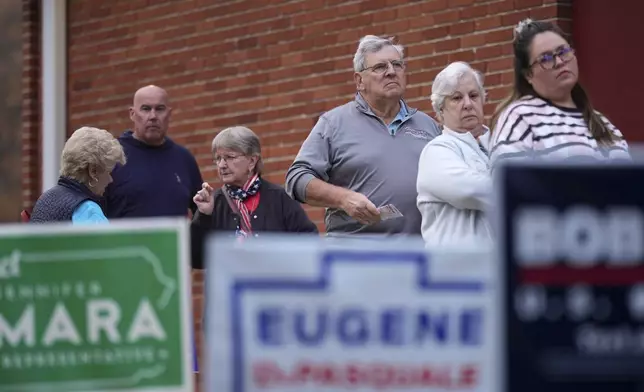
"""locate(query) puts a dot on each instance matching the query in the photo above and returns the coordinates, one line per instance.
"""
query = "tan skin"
(234, 168)
(150, 112)
(383, 93)
(100, 179)
(555, 84)
(463, 110)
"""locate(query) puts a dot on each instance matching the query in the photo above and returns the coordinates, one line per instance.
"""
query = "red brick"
(476, 11)
(518, 4)
(515, 17)
(489, 52)
(491, 80)
(487, 23)
(500, 64)
(382, 16)
(464, 55)
(446, 17)
(31, 14)
(411, 9)
(435, 5)
(546, 12)
(472, 41)
(461, 28)
(500, 7)
(497, 93)
(421, 49)
(448, 45)
(434, 33)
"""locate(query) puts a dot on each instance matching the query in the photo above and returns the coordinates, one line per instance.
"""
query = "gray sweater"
(352, 148)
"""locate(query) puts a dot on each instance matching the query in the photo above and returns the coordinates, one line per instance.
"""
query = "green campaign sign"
(100, 308)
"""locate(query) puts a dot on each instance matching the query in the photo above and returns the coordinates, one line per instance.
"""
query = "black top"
(58, 203)
(276, 212)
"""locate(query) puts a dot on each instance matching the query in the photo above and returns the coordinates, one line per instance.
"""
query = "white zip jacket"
(454, 189)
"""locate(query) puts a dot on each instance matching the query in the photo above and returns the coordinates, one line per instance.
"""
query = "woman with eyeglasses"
(549, 115)
(246, 204)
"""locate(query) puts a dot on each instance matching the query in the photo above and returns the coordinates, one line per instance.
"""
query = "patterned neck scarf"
(250, 188)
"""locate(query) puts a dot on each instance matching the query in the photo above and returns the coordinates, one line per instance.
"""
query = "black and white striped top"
(534, 127)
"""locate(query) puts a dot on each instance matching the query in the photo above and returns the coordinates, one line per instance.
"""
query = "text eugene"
(32, 338)
(355, 328)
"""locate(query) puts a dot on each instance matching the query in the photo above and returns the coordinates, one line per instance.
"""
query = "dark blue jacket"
(155, 181)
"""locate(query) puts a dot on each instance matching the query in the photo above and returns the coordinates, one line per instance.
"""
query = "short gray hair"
(240, 139)
(89, 148)
(447, 80)
(372, 44)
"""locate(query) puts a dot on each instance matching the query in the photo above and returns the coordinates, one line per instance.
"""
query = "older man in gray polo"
(364, 155)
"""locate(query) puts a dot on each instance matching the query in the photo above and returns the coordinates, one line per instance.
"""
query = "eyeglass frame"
(226, 159)
(560, 52)
(393, 63)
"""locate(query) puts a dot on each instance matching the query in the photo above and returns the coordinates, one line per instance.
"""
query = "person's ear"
(253, 163)
(357, 77)
(527, 74)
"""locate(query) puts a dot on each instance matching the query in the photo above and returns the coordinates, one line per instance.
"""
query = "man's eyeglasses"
(381, 68)
(549, 60)
(225, 158)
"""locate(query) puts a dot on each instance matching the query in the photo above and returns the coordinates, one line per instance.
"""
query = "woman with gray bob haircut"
(453, 182)
(87, 161)
(246, 203)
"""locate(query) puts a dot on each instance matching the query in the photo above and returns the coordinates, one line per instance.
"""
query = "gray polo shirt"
(352, 148)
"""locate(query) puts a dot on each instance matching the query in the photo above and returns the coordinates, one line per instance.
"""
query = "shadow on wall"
(10, 109)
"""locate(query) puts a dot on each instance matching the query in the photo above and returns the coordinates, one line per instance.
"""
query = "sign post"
(572, 252)
(295, 314)
(100, 308)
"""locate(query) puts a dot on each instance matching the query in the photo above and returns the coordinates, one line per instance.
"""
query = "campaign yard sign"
(311, 314)
(95, 308)
(572, 251)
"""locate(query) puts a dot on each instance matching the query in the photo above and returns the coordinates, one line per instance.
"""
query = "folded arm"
(444, 174)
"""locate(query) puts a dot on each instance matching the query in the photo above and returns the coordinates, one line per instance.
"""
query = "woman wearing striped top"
(549, 115)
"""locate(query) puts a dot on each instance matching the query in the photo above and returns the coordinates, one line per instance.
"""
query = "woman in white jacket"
(454, 184)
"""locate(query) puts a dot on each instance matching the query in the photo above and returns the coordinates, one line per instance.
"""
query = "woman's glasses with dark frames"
(549, 60)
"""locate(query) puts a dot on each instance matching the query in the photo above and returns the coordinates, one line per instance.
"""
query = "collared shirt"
(367, 160)
(398, 120)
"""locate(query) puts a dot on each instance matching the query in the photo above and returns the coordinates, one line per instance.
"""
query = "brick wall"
(30, 163)
(10, 110)
(273, 66)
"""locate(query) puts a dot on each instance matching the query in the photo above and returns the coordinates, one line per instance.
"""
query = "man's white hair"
(372, 44)
(447, 80)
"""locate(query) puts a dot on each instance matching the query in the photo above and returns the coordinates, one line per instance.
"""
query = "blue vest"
(58, 203)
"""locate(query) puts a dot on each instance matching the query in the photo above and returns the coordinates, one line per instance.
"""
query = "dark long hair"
(523, 36)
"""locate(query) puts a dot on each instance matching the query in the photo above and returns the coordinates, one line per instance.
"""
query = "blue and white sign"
(311, 314)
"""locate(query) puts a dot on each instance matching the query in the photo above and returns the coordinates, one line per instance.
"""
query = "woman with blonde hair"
(88, 158)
